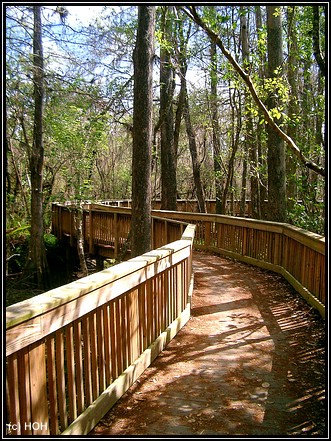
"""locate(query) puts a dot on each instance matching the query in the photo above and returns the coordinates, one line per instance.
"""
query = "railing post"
(165, 232)
(71, 230)
(115, 235)
(91, 241)
(207, 234)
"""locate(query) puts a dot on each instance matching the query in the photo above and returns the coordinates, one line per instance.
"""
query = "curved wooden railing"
(73, 351)
(295, 253)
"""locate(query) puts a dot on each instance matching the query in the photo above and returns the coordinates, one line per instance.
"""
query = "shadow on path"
(250, 361)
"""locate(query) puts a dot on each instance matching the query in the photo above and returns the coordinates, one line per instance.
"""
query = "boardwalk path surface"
(250, 361)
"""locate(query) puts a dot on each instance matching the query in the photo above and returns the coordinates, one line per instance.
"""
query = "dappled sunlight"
(234, 369)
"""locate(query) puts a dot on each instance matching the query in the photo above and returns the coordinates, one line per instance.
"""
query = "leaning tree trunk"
(142, 132)
(36, 266)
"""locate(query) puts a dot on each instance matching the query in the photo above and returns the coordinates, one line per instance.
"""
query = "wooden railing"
(232, 207)
(73, 351)
(297, 254)
(106, 229)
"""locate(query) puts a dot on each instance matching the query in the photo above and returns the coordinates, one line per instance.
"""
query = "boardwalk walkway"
(250, 361)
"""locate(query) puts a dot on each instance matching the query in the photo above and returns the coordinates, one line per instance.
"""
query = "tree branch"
(192, 13)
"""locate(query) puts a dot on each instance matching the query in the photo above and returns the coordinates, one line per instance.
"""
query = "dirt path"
(250, 361)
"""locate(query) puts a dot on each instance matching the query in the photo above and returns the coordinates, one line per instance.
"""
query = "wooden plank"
(133, 325)
(60, 379)
(24, 392)
(94, 356)
(38, 391)
(101, 349)
(114, 366)
(124, 332)
(71, 384)
(107, 343)
(119, 347)
(87, 360)
(142, 304)
(52, 392)
(79, 365)
(12, 395)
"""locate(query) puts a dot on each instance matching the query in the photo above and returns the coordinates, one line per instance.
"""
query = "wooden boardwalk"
(250, 361)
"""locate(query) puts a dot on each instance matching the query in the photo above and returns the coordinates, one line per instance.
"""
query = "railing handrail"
(127, 313)
(314, 240)
(42, 304)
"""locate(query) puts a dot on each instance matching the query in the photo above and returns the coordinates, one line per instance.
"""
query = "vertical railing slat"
(38, 392)
(12, 395)
(71, 373)
(51, 373)
(60, 379)
(79, 365)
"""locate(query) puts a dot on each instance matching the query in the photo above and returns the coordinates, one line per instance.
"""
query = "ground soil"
(250, 361)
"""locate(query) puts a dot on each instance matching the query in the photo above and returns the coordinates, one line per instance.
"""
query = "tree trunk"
(216, 128)
(80, 239)
(235, 136)
(194, 154)
(276, 148)
(316, 40)
(142, 131)
(168, 153)
(36, 266)
(293, 107)
(261, 150)
(248, 125)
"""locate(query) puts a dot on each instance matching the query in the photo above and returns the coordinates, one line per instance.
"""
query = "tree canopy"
(212, 111)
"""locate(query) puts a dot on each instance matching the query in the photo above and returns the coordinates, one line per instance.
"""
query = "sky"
(83, 13)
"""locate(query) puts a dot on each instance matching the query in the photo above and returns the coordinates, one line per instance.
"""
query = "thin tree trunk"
(293, 108)
(194, 154)
(80, 240)
(168, 153)
(316, 40)
(235, 135)
(261, 150)
(216, 129)
(36, 265)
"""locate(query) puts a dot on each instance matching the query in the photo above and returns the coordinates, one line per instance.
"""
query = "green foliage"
(310, 218)
(50, 240)
(88, 106)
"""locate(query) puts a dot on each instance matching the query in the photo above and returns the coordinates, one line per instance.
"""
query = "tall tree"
(248, 120)
(185, 108)
(167, 83)
(215, 126)
(293, 105)
(142, 132)
(276, 147)
(36, 265)
(318, 53)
